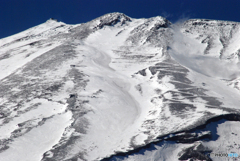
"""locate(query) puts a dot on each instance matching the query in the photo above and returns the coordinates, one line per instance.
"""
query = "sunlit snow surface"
(114, 84)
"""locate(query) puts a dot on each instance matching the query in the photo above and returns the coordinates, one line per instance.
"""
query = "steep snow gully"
(119, 88)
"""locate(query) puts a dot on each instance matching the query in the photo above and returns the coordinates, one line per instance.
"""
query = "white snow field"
(110, 86)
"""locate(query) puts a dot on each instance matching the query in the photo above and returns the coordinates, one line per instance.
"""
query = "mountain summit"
(110, 88)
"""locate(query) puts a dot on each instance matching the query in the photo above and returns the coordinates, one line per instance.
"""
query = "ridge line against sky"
(17, 16)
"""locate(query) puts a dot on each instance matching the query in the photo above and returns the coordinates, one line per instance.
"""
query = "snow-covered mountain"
(119, 88)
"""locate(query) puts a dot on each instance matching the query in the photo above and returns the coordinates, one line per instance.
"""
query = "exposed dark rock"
(54, 87)
(72, 96)
(189, 137)
(112, 19)
(194, 154)
(53, 19)
(142, 72)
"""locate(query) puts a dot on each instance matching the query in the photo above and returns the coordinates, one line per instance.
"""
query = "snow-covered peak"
(160, 21)
(211, 26)
(52, 19)
(112, 19)
(114, 15)
(114, 84)
(202, 22)
(46, 29)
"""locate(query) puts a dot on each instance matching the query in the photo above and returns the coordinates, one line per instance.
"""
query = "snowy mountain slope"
(114, 84)
(216, 148)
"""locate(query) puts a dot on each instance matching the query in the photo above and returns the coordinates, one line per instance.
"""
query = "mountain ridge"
(115, 84)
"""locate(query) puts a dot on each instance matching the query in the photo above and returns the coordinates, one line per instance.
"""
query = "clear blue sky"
(19, 15)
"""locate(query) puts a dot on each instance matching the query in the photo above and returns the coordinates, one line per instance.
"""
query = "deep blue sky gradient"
(19, 15)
